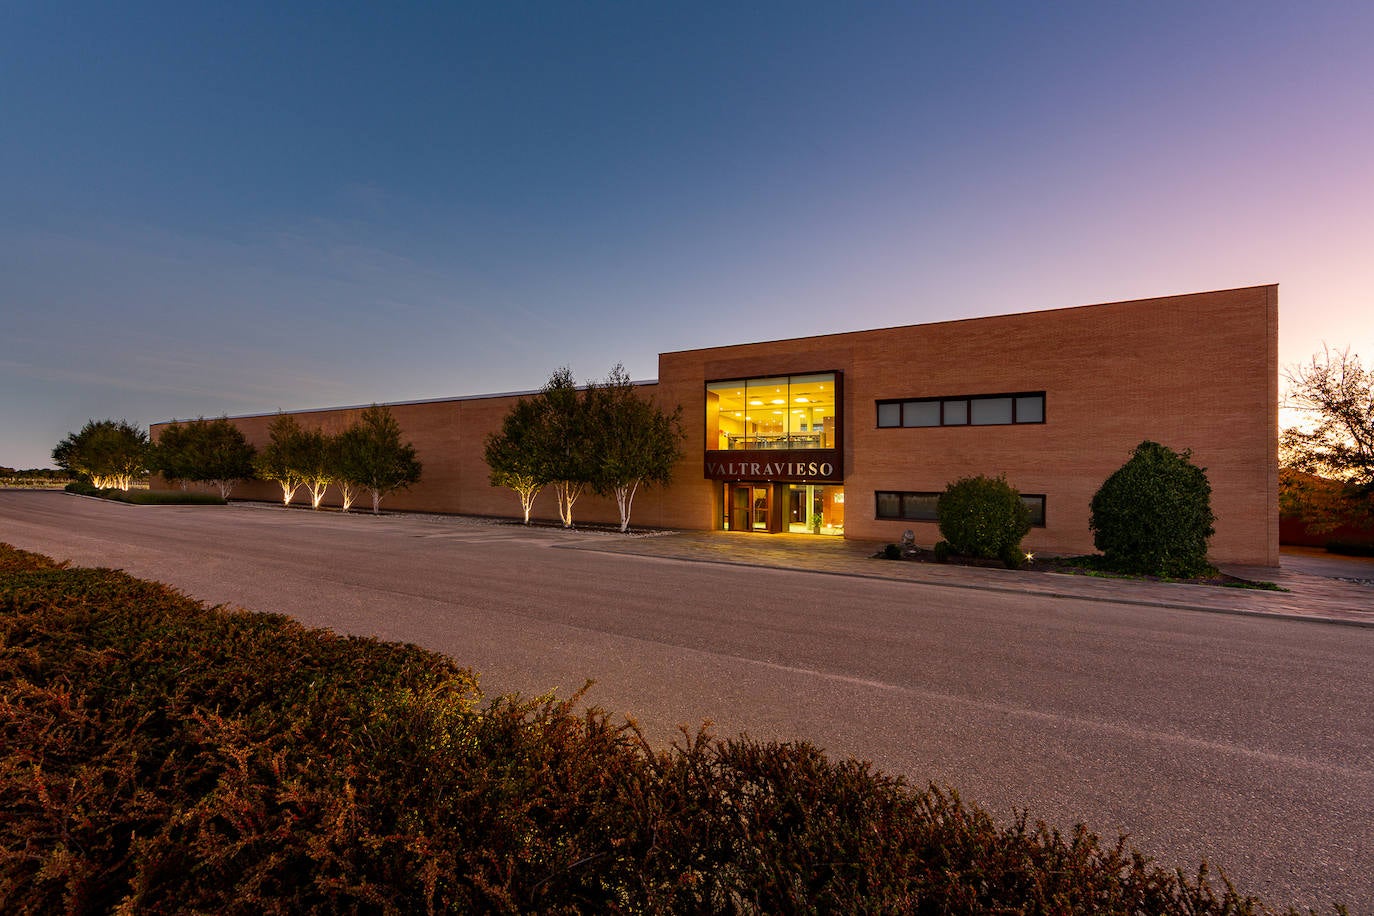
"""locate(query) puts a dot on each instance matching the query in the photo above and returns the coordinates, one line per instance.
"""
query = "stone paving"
(1320, 586)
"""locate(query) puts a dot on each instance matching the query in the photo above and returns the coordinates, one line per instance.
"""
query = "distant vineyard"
(34, 477)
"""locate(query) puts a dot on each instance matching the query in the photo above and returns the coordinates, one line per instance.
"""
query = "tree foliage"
(279, 460)
(984, 517)
(512, 454)
(371, 455)
(214, 452)
(313, 456)
(1153, 515)
(605, 437)
(562, 444)
(633, 443)
(1328, 463)
(110, 452)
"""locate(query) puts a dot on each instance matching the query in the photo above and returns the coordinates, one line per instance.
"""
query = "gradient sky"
(240, 207)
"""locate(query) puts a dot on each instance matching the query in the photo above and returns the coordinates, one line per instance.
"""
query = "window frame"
(968, 399)
(926, 494)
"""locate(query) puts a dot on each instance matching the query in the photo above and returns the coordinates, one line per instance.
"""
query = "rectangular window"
(921, 413)
(904, 506)
(991, 411)
(908, 507)
(973, 410)
(781, 412)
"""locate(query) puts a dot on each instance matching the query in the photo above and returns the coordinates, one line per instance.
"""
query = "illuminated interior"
(784, 412)
(809, 508)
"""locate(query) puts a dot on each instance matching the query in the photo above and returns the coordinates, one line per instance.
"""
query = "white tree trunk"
(568, 492)
(624, 500)
(347, 493)
(317, 491)
(288, 490)
(225, 488)
(527, 495)
(376, 502)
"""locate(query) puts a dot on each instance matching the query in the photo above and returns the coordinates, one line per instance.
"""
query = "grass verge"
(161, 756)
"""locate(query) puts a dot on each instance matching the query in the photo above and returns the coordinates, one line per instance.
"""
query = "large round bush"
(984, 517)
(1154, 515)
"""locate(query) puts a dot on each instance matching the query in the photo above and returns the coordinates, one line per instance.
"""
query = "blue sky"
(242, 207)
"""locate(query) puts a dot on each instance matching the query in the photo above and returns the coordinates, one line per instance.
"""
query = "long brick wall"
(1195, 372)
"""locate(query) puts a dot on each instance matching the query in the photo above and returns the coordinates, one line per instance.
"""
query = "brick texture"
(1195, 372)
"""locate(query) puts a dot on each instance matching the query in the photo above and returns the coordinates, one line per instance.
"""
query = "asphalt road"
(1245, 741)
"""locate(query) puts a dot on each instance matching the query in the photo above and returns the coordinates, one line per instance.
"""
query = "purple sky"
(247, 207)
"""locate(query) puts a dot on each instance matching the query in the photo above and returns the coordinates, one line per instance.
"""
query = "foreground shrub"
(160, 756)
(1153, 516)
(984, 517)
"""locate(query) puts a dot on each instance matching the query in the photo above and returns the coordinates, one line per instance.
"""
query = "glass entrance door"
(748, 506)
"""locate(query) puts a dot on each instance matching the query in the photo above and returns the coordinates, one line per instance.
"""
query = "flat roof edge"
(931, 324)
(461, 397)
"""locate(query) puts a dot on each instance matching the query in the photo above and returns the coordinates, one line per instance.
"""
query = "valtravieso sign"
(772, 467)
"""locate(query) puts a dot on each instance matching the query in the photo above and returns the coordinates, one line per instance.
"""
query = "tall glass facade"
(782, 412)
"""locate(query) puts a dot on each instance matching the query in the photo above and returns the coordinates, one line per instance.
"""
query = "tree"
(371, 455)
(1336, 448)
(631, 442)
(220, 455)
(110, 452)
(563, 444)
(214, 452)
(1153, 515)
(513, 456)
(171, 455)
(280, 459)
(314, 459)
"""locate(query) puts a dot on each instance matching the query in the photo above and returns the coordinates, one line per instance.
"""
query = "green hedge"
(146, 497)
(161, 756)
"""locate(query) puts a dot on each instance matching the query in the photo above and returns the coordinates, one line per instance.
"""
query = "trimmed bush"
(983, 517)
(164, 757)
(1153, 516)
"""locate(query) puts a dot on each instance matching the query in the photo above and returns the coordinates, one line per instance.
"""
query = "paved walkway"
(1320, 586)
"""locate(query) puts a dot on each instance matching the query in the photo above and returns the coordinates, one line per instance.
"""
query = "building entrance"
(777, 507)
(748, 506)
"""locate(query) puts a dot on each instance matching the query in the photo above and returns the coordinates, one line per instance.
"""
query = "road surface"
(1247, 741)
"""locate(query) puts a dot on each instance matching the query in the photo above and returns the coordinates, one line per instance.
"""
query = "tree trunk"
(376, 502)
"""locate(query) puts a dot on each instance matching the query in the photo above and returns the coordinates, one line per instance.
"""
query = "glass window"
(921, 413)
(784, 412)
(925, 507)
(990, 411)
(974, 410)
(1030, 409)
(921, 507)
(727, 421)
(911, 507)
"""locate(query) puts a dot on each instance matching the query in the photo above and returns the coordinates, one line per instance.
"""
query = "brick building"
(856, 433)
